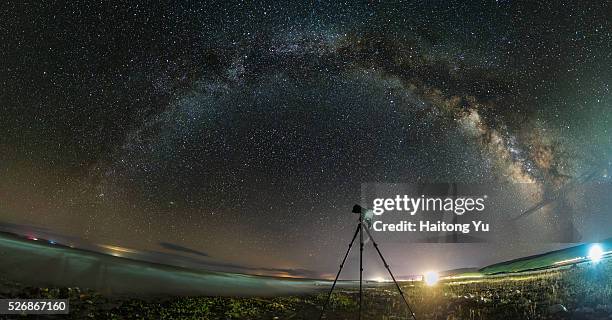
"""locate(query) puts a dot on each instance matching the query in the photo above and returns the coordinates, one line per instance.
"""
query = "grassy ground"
(583, 292)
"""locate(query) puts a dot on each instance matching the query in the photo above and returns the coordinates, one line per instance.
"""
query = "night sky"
(244, 130)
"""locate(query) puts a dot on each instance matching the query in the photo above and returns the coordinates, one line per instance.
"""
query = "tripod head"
(366, 215)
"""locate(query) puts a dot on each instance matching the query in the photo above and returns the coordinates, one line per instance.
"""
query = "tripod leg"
(391, 273)
(340, 270)
(360, 267)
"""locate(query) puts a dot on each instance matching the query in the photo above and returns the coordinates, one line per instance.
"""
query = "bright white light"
(595, 253)
(431, 278)
(379, 279)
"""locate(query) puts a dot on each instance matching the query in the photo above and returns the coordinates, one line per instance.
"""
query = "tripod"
(360, 228)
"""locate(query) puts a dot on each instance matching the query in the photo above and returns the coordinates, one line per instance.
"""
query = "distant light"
(379, 279)
(52, 242)
(117, 249)
(595, 253)
(431, 278)
(569, 261)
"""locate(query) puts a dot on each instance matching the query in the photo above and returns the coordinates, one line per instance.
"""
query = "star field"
(245, 129)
